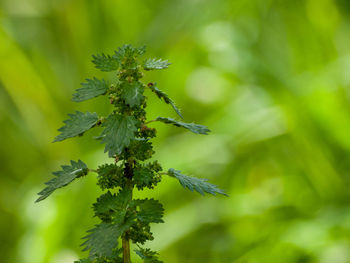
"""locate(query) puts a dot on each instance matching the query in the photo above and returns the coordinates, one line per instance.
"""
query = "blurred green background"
(271, 78)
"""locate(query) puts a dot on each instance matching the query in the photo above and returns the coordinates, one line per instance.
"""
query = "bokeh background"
(271, 78)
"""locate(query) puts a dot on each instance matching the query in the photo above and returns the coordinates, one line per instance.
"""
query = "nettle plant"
(126, 136)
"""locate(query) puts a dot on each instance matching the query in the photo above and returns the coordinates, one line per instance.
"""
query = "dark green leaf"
(106, 62)
(103, 239)
(118, 133)
(147, 255)
(110, 176)
(77, 124)
(152, 63)
(91, 89)
(165, 97)
(106, 203)
(132, 93)
(143, 177)
(193, 183)
(63, 178)
(196, 128)
(150, 210)
(84, 260)
(113, 207)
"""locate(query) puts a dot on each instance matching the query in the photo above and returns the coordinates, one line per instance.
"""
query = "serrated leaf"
(150, 210)
(165, 97)
(132, 93)
(105, 204)
(118, 133)
(147, 255)
(129, 51)
(63, 178)
(77, 124)
(198, 184)
(90, 89)
(106, 62)
(141, 50)
(152, 63)
(195, 128)
(103, 239)
(143, 177)
(109, 203)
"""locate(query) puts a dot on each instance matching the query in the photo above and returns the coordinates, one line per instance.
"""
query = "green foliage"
(147, 255)
(105, 62)
(195, 128)
(77, 125)
(127, 140)
(118, 133)
(149, 211)
(165, 97)
(91, 89)
(132, 93)
(193, 183)
(152, 63)
(85, 260)
(63, 178)
(110, 176)
(145, 175)
(103, 239)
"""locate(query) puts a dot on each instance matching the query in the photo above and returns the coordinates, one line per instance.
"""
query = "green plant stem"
(126, 248)
(128, 173)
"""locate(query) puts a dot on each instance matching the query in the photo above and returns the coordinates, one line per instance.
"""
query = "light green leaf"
(118, 133)
(152, 63)
(77, 125)
(165, 97)
(132, 93)
(90, 89)
(149, 210)
(63, 178)
(193, 183)
(195, 128)
(127, 51)
(106, 62)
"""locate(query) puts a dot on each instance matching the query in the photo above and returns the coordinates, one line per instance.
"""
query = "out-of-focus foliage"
(269, 78)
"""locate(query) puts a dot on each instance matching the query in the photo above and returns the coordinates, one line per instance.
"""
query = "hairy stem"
(126, 248)
(128, 173)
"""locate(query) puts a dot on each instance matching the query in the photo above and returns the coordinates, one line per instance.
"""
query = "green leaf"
(63, 178)
(103, 239)
(152, 63)
(84, 260)
(195, 128)
(146, 176)
(106, 62)
(77, 125)
(118, 133)
(150, 210)
(165, 97)
(143, 177)
(90, 89)
(127, 51)
(147, 255)
(132, 93)
(110, 176)
(108, 203)
(193, 183)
